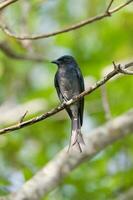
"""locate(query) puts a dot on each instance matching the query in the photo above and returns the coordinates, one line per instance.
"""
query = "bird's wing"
(57, 87)
(82, 88)
(60, 95)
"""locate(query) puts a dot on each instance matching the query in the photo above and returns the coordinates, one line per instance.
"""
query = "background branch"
(5, 48)
(6, 3)
(68, 103)
(126, 195)
(107, 13)
(54, 172)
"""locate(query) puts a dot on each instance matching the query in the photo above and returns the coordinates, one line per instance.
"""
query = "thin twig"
(6, 3)
(6, 30)
(109, 6)
(122, 69)
(23, 116)
(64, 105)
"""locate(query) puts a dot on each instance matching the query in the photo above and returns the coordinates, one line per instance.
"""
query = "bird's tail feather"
(76, 136)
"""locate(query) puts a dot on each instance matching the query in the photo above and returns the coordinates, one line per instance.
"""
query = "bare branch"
(6, 30)
(122, 69)
(125, 71)
(109, 6)
(125, 195)
(57, 169)
(62, 106)
(121, 6)
(4, 47)
(6, 3)
(23, 116)
(12, 112)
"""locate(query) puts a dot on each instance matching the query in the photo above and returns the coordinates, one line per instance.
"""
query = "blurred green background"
(28, 85)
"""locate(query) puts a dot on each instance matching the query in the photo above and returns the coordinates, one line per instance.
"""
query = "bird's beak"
(55, 62)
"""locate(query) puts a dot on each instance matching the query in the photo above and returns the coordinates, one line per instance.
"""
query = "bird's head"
(64, 61)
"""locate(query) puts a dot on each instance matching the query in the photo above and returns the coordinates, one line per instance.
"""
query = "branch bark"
(109, 6)
(54, 172)
(68, 103)
(127, 195)
(107, 13)
(6, 3)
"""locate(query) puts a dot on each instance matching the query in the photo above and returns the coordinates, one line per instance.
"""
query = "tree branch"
(126, 195)
(4, 47)
(122, 69)
(109, 6)
(107, 13)
(54, 172)
(68, 103)
(6, 3)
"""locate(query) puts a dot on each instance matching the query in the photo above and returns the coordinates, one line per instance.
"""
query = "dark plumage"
(69, 82)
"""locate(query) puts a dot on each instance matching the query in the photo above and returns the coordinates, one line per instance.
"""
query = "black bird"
(69, 82)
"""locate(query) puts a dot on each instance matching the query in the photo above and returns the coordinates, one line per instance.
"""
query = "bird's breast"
(68, 83)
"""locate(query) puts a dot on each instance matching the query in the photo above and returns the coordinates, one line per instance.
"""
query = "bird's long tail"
(76, 139)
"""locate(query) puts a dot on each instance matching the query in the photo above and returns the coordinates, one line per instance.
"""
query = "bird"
(69, 83)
